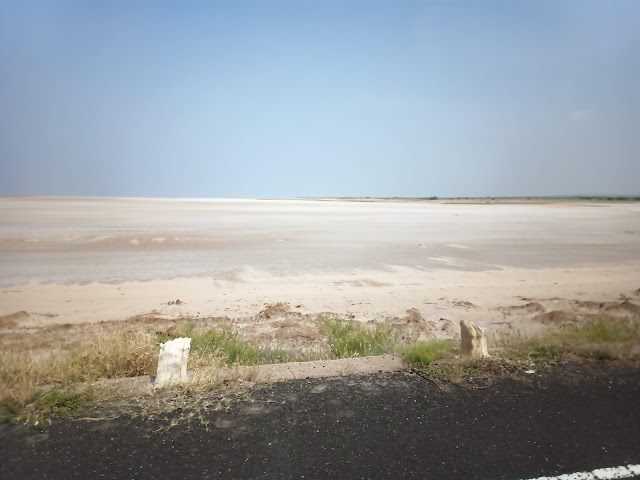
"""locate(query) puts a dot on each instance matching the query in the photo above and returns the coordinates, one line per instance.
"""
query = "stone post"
(172, 362)
(473, 342)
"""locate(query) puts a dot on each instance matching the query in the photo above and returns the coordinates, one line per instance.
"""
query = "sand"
(78, 261)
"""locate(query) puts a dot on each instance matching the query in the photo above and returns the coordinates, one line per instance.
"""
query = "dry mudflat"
(268, 268)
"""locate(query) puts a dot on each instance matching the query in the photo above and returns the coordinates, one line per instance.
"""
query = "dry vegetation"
(38, 381)
(581, 341)
(24, 370)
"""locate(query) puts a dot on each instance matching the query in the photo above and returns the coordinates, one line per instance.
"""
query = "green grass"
(61, 402)
(224, 343)
(600, 332)
(23, 372)
(344, 340)
(591, 341)
(425, 353)
(348, 339)
(10, 412)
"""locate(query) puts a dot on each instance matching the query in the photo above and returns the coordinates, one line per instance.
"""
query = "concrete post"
(473, 342)
(172, 362)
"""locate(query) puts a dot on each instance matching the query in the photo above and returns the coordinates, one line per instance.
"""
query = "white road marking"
(627, 471)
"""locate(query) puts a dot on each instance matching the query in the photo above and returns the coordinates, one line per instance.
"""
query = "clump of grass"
(600, 332)
(107, 356)
(61, 401)
(115, 356)
(209, 344)
(474, 373)
(347, 339)
(598, 340)
(526, 352)
(602, 341)
(9, 412)
(516, 353)
(425, 353)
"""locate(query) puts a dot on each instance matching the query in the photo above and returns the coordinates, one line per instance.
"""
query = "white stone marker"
(473, 342)
(172, 363)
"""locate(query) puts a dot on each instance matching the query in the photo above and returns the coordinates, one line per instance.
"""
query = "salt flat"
(96, 239)
(74, 260)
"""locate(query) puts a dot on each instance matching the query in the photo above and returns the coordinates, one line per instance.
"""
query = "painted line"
(624, 471)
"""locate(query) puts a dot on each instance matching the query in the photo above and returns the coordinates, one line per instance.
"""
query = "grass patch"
(513, 354)
(107, 356)
(61, 401)
(600, 332)
(611, 340)
(348, 339)
(24, 372)
(425, 353)
(224, 344)
(474, 373)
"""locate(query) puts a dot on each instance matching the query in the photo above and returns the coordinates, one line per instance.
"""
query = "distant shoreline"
(434, 199)
(484, 200)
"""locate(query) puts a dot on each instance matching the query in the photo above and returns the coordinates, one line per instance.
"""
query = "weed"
(425, 353)
(62, 401)
(516, 353)
(475, 373)
(599, 332)
(10, 412)
(224, 344)
(107, 356)
(348, 339)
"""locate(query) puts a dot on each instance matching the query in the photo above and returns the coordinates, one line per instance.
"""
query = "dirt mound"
(293, 332)
(413, 326)
(414, 317)
(274, 310)
(463, 303)
(279, 326)
(556, 317)
(300, 334)
(12, 320)
(448, 326)
(527, 308)
(613, 308)
(52, 336)
(588, 305)
(531, 307)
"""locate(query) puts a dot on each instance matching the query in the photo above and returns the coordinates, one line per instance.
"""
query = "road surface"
(388, 425)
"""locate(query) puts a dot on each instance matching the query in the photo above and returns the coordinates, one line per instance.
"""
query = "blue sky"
(319, 98)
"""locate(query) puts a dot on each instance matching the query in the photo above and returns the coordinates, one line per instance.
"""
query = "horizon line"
(368, 197)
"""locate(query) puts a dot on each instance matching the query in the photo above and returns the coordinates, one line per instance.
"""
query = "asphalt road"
(390, 425)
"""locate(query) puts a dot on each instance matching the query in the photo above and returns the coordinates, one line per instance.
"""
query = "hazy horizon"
(614, 196)
(446, 98)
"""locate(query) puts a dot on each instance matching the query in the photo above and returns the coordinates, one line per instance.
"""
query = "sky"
(283, 99)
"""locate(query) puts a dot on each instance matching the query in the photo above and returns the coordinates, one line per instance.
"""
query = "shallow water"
(116, 239)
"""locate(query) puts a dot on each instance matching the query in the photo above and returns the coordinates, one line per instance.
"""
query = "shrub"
(353, 340)
(211, 344)
(425, 353)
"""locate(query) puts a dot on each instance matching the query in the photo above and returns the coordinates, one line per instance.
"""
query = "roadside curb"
(273, 373)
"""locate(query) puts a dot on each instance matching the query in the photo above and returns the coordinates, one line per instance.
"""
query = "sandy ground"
(423, 266)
